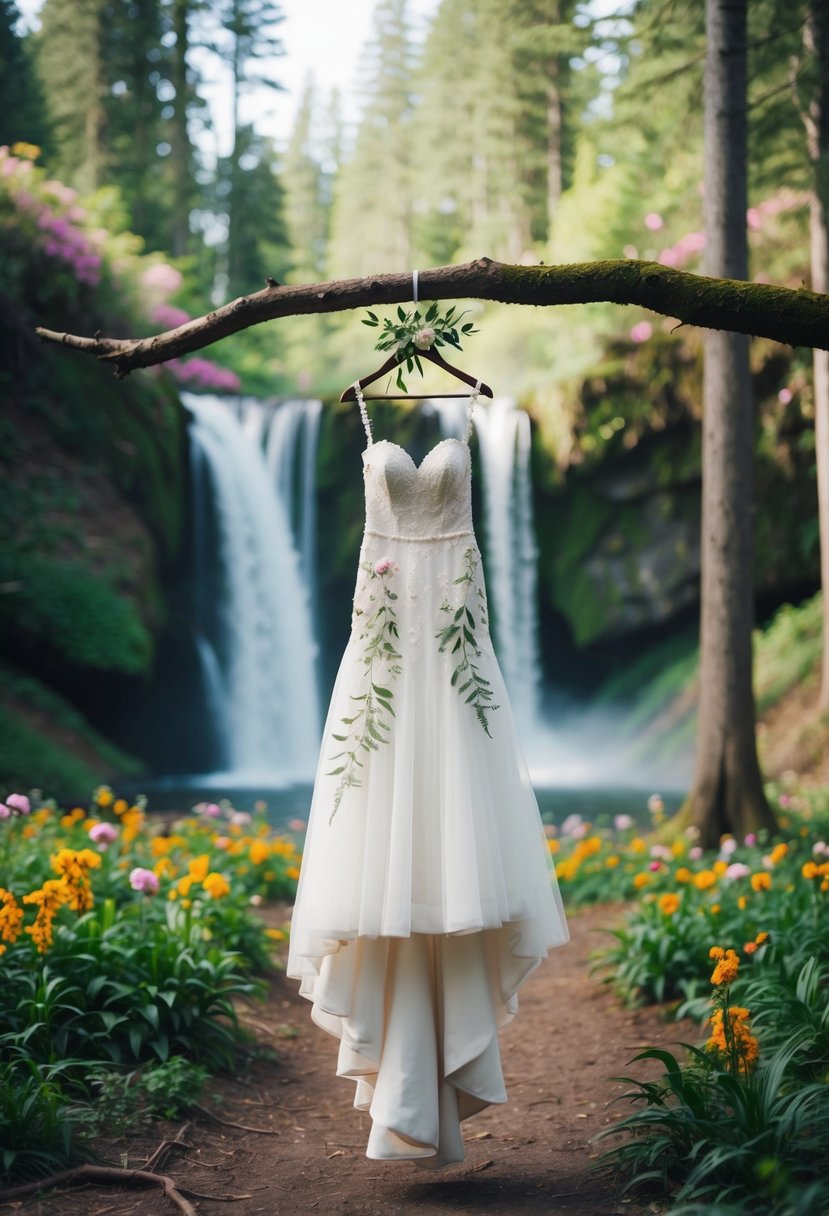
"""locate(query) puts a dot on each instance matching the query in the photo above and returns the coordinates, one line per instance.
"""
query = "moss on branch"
(794, 317)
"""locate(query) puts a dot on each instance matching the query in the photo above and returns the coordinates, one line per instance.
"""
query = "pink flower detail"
(169, 316)
(654, 221)
(211, 810)
(19, 803)
(5, 813)
(623, 822)
(297, 825)
(654, 865)
(668, 257)
(144, 881)
(751, 839)
(784, 396)
(695, 853)
(753, 219)
(738, 869)
(641, 331)
(385, 566)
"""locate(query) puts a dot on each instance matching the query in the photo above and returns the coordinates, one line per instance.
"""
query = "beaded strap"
(358, 393)
(473, 401)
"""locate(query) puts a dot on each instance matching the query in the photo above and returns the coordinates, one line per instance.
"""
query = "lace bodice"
(431, 501)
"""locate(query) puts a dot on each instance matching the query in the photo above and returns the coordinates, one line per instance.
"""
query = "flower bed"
(124, 943)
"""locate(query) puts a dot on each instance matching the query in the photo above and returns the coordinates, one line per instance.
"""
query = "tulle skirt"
(428, 898)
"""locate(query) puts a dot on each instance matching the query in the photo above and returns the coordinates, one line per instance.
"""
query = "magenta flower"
(144, 881)
(655, 865)
(641, 331)
(19, 803)
(211, 810)
(5, 813)
(654, 221)
(784, 396)
(751, 839)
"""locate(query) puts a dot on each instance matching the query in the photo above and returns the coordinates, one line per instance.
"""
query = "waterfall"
(262, 639)
(503, 434)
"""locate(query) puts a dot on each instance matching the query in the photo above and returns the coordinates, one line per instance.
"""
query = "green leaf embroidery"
(477, 689)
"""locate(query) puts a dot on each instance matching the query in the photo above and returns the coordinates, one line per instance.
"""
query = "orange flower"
(761, 881)
(199, 866)
(668, 903)
(744, 1042)
(292, 872)
(259, 851)
(553, 846)
(726, 969)
(11, 918)
(761, 937)
(216, 885)
(705, 880)
(683, 874)
(641, 880)
(810, 869)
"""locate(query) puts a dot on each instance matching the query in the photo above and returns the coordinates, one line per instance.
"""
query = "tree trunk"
(816, 38)
(727, 793)
(181, 154)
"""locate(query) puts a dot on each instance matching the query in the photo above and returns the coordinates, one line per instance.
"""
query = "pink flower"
(240, 819)
(623, 822)
(297, 825)
(654, 221)
(641, 331)
(103, 834)
(751, 839)
(211, 810)
(222, 842)
(570, 824)
(162, 279)
(654, 865)
(655, 804)
(668, 257)
(695, 853)
(661, 850)
(728, 846)
(5, 813)
(144, 881)
(738, 869)
(784, 396)
(753, 219)
(19, 803)
(424, 338)
(385, 566)
(169, 316)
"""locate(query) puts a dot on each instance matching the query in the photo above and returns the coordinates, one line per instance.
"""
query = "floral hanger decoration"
(414, 331)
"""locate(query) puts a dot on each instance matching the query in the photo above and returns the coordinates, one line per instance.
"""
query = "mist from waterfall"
(255, 640)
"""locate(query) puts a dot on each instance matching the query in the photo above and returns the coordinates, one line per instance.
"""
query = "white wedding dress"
(426, 896)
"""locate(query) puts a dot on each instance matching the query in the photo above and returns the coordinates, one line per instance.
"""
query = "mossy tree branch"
(795, 317)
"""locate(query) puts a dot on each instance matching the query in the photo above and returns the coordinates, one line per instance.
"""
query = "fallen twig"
(109, 1175)
(243, 1127)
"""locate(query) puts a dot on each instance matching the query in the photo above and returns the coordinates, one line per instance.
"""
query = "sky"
(322, 38)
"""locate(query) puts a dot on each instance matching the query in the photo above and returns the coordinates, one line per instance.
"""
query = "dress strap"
(473, 401)
(361, 401)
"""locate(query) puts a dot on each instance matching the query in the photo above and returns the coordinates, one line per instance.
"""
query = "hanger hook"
(414, 286)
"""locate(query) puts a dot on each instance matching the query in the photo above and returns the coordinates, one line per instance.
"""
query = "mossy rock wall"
(91, 528)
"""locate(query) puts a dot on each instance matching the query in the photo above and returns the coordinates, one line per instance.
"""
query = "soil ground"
(536, 1154)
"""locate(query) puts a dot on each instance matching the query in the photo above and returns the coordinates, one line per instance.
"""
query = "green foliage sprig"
(460, 633)
(413, 332)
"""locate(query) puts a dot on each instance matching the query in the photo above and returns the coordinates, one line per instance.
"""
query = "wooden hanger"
(434, 357)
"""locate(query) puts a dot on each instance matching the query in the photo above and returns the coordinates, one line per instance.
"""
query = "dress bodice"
(431, 501)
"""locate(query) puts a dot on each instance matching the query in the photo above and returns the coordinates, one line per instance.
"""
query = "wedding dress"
(425, 897)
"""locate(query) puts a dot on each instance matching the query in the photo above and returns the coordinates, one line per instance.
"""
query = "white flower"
(424, 338)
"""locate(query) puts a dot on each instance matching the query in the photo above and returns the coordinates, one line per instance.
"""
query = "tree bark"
(727, 792)
(816, 119)
(800, 318)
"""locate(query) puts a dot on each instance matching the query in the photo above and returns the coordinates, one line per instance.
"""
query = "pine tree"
(371, 221)
(22, 107)
(306, 220)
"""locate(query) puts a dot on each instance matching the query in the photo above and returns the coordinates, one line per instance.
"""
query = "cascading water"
(265, 654)
(503, 434)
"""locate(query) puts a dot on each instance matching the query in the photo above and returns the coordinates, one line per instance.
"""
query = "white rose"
(424, 338)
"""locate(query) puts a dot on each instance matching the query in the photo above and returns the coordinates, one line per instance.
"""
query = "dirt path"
(533, 1155)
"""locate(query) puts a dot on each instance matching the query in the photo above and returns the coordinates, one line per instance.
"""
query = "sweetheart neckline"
(417, 467)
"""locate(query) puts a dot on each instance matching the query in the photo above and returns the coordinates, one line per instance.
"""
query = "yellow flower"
(292, 872)
(778, 853)
(26, 150)
(741, 902)
(11, 918)
(184, 884)
(705, 880)
(53, 893)
(277, 935)
(745, 1044)
(259, 852)
(120, 806)
(216, 885)
(720, 868)
(678, 847)
(716, 952)
(638, 845)
(103, 796)
(199, 866)
(669, 903)
(714, 909)
(683, 874)
(553, 846)
(810, 870)
(163, 867)
(761, 937)
(761, 881)
(641, 880)
(612, 861)
(726, 969)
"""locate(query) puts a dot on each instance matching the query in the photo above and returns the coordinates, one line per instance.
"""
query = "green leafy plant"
(411, 333)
